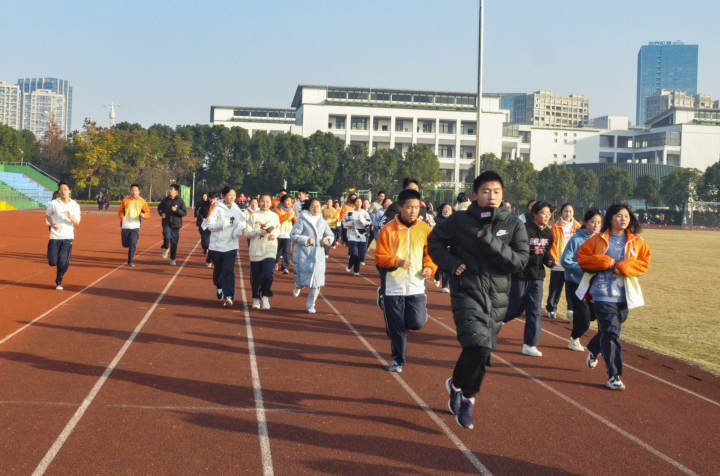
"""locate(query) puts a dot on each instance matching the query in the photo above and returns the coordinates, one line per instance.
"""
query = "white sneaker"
(296, 291)
(446, 290)
(356, 274)
(348, 269)
(265, 303)
(570, 315)
(362, 263)
(256, 304)
(531, 350)
(591, 360)
(311, 310)
(166, 253)
(575, 345)
(436, 283)
(228, 302)
(614, 383)
(395, 367)
(59, 288)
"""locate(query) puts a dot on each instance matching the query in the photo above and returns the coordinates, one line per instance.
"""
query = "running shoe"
(285, 271)
(219, 293)
(591, 360)
(614, 383)
(348, 269)
(436, 282)
(356, 274)
(173, 262)
(395, 367)
(256, 304)
(575, 345)
(464, 416)
(311, 310)
(380, 300)
(455, 396)
(446, 290)
(266, 303)
(531, 350)
(552, 315)
(228, 302)
(131, 264)
(362, 263)
(165, 253)
(59, 287)
(296, 291)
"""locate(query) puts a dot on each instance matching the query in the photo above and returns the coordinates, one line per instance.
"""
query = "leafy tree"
(421, 163)
(321, 159)
(556, 183)
(12, 144)
(710, 190)
(93, 148)
(679, 185)
(53, 154)
(521, 180)
(616, 185)
(382, 171)
(648, 188)
(586, 183)
(351, 170)
(262, 153)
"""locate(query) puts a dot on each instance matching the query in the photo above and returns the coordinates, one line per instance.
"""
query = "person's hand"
(403, 263)
(173, 208)
(311, 241)
(271, 237)
(326, 241)
(427, 273)
(162, 215)
(67, 214)
(263, 232)
(56, 227)
(460, 269)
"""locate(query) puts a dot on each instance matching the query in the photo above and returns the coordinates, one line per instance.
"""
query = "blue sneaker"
(464, 416)
(395, 367)
(455, 396)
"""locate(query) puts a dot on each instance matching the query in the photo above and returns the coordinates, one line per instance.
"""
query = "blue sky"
(168, 62)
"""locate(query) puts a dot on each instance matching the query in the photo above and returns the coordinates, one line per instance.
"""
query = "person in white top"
(63, 215)
(226, 223)
(132, 211)
(262, 231)
(357, 223)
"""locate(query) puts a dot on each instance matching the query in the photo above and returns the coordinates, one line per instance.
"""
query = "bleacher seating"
(27, 187)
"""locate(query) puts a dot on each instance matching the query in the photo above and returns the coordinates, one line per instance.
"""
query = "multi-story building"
(507, 101)
(385, 119)
(39, 107)
(58, 86)
(10, 104)
(542, 108)
(664, 65)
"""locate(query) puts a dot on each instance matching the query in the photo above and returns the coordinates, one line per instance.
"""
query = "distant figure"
(462, 202)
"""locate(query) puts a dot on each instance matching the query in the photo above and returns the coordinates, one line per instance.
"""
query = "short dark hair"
(633, 227)
(408, 180)
(530, 203)
(485, 177)
(61, 183)
(308, 201)
(565, 205)
(540, 205)
(461, 198)
(134, 185)
(212, 194)
(175, 186)
(284, 197)
(301, 190)
(408, 194)
(386, 199)
(381, 191)
(226, 189)
(591, 213)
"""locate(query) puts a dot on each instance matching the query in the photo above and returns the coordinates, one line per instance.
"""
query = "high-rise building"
(10, 103)
(58, 86)
(39, 107)
(507, 101)
(542, 108)
(664, 65)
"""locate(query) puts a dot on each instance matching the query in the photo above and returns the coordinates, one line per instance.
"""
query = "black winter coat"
(172, 218)
(479, 296)
(540, 242)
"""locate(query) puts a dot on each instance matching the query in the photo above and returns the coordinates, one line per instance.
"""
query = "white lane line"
(419, 401)
(75, 419)
(587, 411)
(207, 409)
(263, 434)
(649, 375)
(65, 301)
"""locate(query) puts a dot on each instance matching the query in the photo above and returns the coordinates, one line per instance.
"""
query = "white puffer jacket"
(226, 224)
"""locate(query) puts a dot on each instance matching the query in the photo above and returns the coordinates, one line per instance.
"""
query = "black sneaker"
(219, 294)
(380, 302)
(455, 396)
(464, 416)
(592, 360)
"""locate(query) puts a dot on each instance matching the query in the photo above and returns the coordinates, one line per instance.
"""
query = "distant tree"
(351, 170)
(710, 190)
(520, 179)
(616, 185)
(11, 144)
(53, 154)
(648, 188)
(93, 148)
(322, 155)
(586, 183)
(421, 163)
(382, 170)
(556, 183)
(679, 185)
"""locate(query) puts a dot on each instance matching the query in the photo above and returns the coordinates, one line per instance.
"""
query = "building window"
(360, 123)
(447, 127)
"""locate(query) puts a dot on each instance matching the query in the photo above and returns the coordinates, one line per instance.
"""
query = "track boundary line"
(646, 446)
(263, 433)
(80, 412)
(66, 300)
(418, 400)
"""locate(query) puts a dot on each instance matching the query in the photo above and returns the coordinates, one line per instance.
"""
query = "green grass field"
(681, 290)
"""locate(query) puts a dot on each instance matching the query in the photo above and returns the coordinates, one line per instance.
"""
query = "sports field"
(680, 317)
(141, 371)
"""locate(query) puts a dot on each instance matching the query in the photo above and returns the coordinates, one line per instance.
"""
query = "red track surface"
(181, 398)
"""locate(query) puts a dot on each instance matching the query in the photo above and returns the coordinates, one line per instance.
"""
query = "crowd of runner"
(490, 261)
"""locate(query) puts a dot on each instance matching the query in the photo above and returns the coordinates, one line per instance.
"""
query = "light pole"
(479, 88)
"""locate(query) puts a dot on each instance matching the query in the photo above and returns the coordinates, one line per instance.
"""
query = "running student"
(202, 211)
(226, 223)
(330, 214)
(582, 311)
(287, 218)
(562, 231)
(357, 224)
(480, 248)
(62, 215)
(262, 231)
(527, 284)
(402, 252)
(616, 257)
(310, 234)
(172, 209)
(132, 211)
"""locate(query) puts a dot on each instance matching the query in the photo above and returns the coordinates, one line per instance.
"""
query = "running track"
(140, 371)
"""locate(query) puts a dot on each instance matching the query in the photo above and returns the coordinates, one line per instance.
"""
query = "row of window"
(401, 125)
(424, 98)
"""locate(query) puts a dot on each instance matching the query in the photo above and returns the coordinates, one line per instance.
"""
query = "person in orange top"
(562, 231)
(132, 210)
(349, 205)
(616, 256)
(287, 218)
(402, 252)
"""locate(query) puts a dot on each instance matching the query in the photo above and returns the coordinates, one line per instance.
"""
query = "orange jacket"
(591, 255)
(284, 216)
(397, 241)
(559, 242)
(344, 210)
(141, 206)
